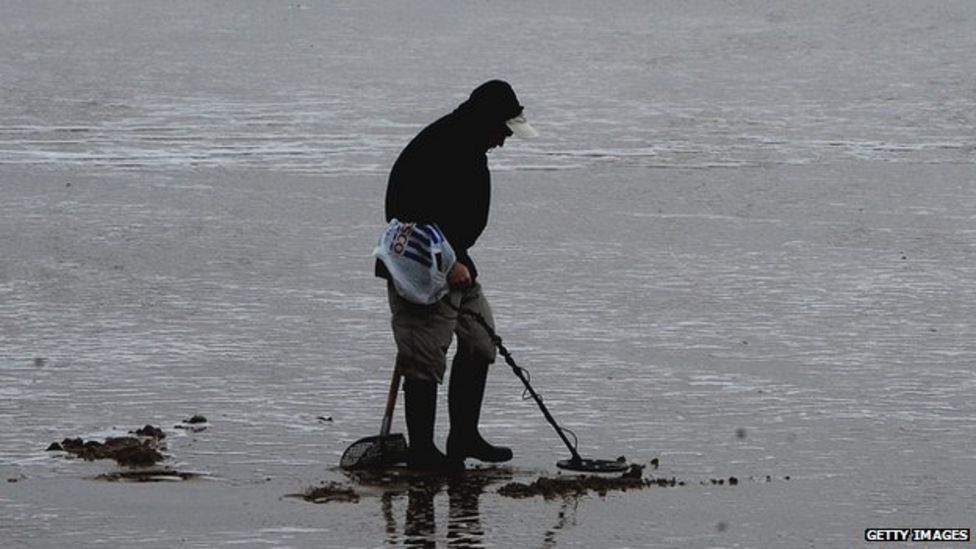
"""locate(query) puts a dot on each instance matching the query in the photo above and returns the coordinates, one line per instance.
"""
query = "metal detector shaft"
(535, 396)
(525, 381)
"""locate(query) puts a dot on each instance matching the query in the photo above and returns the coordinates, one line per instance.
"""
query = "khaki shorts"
(423, 333)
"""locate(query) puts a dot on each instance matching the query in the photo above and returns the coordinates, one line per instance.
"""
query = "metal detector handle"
(390, 402)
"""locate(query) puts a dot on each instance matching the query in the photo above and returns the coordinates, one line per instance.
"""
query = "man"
(442, 178)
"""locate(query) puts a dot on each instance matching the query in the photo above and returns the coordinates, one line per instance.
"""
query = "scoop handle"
(390, 402)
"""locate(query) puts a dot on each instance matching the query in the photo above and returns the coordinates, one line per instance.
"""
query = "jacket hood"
(493, 102)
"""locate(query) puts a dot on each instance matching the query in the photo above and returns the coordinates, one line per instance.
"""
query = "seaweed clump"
(130, 451)
(577, 485)
(328, 493)
(148, 475)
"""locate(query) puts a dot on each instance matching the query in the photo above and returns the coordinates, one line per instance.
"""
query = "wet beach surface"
(735, 250)
(824, 343)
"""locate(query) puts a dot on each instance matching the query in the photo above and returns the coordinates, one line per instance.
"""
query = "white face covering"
(521, 128)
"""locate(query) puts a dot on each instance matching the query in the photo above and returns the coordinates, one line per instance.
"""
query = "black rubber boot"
(465, 395)
(420, 404)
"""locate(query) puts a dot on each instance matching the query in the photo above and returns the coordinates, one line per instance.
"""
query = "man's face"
(497, 136)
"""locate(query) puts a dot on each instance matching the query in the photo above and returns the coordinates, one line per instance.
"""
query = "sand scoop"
(576, 462)
(382, 450)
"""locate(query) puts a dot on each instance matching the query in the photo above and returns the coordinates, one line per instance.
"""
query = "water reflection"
(420, 528)
(464, 526)
(565, 518)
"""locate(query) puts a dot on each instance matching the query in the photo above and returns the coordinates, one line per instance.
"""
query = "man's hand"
(459, 276)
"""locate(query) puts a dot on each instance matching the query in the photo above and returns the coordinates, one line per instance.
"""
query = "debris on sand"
(328, 493)
(402, 481)
(135, 451)
(196, 423)
(139, 453)
(552, 487)
(150, 431)
(129, 451)
(148, 475)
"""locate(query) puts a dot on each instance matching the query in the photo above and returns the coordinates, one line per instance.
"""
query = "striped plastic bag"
(418, 258)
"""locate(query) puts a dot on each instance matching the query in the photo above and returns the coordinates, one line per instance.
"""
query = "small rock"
(70, 444)
(151, 432)
(196, 424)
(55, 447)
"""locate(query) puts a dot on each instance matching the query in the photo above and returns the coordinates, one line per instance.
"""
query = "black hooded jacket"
(442, 175)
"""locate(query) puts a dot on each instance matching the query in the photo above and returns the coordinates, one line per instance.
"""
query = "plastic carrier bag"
(418, 258)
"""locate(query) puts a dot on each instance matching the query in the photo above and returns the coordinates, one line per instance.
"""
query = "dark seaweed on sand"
(327, 493)
(552, 487)
(136, 451)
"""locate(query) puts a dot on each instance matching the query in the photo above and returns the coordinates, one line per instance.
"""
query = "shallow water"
(743, 245)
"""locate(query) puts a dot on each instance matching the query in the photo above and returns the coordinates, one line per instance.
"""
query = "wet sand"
(855, 392)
